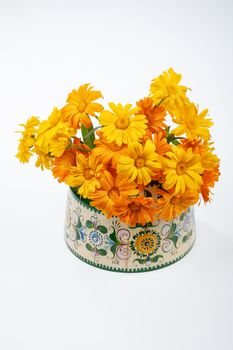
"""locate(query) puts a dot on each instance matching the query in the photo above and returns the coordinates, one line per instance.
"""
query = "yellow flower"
(121, 124)
(53, 136)
(112, 188)
(139, 162)
(208, 159)
(80, 105)
(85, 175)
(193, 124)
(27, 141)
(183, 170)
(166, 87)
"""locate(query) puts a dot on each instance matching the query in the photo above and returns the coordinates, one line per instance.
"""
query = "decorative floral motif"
(118, 242)
(145, 245)
(108, 242)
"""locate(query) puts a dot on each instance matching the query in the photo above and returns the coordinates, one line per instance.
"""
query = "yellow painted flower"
(27, 141)
(183, 170)
(112, 188)
(139, 162)
(171, 205)
(166, 87)
(121, 125)
(85, 175)
(80, 106)
(191, 123)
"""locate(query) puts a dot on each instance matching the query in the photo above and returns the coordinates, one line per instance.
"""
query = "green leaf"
(175, 142)
(88, 135)
(156, 258)
(89, 247)
(113, 236)
(182, 216)
(173, 228)
(141, 261)
(113, 249)
(77, 234)
(102, 229)
(79, 224)
(102, 252)
(89, 224)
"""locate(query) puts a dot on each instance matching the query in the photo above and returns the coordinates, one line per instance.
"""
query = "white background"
(49, 300)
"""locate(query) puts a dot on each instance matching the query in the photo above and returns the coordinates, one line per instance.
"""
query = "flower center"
(122, 123)
(171, 90)
(81, 107)
(180, 168)
(175, 200)
(88, 173)
(113, 192)
(134, 207)
(146, 244)
(139, 162)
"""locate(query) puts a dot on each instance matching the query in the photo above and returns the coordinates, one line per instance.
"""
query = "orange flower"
(209, 178)
(161, 145)
(138, 210)
(61, 165)
(154, 114)
(80, 105)
(107, 151)
(112, 188)
(80, 147)
(208, 160)
(171, 205)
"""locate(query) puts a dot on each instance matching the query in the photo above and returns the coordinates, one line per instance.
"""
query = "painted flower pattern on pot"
(111, 244)
(145, 245)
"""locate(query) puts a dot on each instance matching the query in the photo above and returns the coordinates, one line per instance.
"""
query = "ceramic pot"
(112, 245)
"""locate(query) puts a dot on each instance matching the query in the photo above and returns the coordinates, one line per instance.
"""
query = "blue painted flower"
(95, 238)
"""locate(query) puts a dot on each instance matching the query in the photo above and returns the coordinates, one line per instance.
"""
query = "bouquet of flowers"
(142, 162)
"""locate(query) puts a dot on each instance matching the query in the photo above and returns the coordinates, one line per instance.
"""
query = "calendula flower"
(53, 135)
(166, 88)
(192, 124)
(112, 188)
(27, 141)
(183, 170)
(80, 106)
(154, 114)
(43, 159)
(171, 204)
(209, 178)
(85, 175)
(161, 145)
(138, 210)
(208, 159)
(121, 125)
(107, 151)
(61, 165)
(139, 162)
